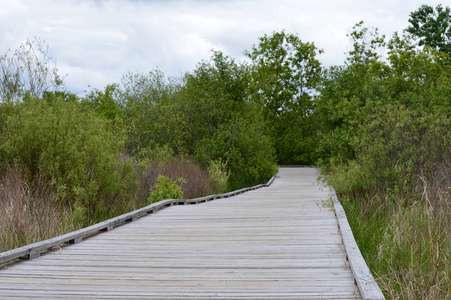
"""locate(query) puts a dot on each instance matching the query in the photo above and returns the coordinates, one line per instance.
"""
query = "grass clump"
(29, 213)
(218, 175)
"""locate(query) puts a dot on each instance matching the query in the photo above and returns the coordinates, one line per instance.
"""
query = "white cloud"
(96, 41)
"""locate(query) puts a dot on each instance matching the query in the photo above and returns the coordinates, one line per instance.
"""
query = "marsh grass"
(29, 214)
(407, 247)
(396, 193)
(33, 211)
(197, 182)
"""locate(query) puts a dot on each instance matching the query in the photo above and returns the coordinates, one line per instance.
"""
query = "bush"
(396, 193)
(219, 176)
(399, 146)
(197, 179)
(248, 151)
(166, 188)
(74, 153)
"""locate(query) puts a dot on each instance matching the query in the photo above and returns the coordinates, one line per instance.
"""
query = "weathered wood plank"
(34, 250)
(272, 243)
(365, 280)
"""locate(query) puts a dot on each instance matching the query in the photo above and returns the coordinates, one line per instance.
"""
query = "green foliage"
(398, 144)
(219, 175)
(52, 96)
(104, 103)
(208, 118)
(166, 188)
(418, 77)
(285, 75)
(410, 77)
(285, 71)
(227, 126)
(395, 147)
(212, 96)
(366, 44)
(71, 151)
(247, 150)
(152, 117)
(432, 27)
(349, 179)
(385, 140)
(224, 124)
(79, 214)
(162, 154)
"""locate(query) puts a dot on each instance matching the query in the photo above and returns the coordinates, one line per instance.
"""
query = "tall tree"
(29, 70)
(223, 124)
(432, 27)
(285, 77)
(347, 91)
(150, 116)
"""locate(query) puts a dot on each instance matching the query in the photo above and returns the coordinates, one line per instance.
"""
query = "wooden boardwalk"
(276, 242)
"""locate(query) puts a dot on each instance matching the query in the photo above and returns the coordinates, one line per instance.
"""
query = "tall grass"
(408, 248)
(397, 196)
(198, 181)
(31, 211)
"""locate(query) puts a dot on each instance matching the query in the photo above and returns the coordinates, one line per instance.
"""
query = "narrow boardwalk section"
(277, 242)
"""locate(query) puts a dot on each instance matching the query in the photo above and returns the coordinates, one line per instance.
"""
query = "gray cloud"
(95, 42)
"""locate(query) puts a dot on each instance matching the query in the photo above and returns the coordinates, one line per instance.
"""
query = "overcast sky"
(96, 41)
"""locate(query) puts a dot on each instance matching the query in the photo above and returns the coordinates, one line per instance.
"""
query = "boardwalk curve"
(271, 243)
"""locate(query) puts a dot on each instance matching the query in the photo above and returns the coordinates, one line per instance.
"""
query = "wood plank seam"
(271, 244)
(33, 250)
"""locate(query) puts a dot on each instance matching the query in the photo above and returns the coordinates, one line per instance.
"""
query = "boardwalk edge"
(34, 250)
(368, 286)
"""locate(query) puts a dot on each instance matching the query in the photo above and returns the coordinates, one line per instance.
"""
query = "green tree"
(419, 78)
(104, 102)
(348, 92)
(29, 70)
(285, 76)
(385, 139)
(415, 78)
(223, 123)
(151, 116)
(70, 151)
(432, 27)
(212, 95)
(207, 116)
(286, 71)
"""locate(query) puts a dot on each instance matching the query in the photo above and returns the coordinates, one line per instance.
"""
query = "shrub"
(166, 188)
(72, 152)
(399, 146)
(197, 179)
(249, 153)
(396, 194)
(219, 175)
